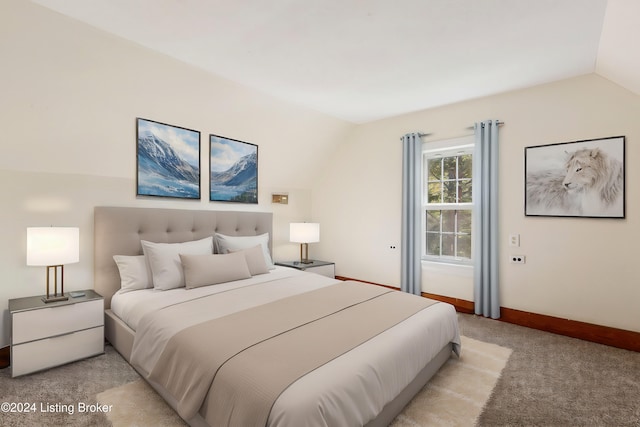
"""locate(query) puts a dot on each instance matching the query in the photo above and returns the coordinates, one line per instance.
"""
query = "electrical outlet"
(514, 240)
(517, 259)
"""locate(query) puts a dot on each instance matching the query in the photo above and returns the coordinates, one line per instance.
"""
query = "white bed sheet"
(345, 391)
(131, 306)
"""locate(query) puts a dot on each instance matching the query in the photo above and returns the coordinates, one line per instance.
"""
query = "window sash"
(439, 187)
(452, 242)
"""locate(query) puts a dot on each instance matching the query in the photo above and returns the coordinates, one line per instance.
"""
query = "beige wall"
(70, 95)
(581, 269)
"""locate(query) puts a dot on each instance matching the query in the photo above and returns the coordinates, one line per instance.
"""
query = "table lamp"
(53, 247)
(304, 233)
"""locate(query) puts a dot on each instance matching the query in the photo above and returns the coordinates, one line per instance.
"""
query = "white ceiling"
(362, 60)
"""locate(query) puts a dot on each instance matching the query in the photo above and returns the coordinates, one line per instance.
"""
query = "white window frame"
(439, 149)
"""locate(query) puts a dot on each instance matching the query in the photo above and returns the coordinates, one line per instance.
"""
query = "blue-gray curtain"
(411, 275)
(485, 214)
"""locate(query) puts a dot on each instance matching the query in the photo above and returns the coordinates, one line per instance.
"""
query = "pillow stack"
(164, 260)
(235, 243)
(193, 264)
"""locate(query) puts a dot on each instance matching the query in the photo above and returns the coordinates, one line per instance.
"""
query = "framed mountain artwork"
(233, 171)
(168, 160)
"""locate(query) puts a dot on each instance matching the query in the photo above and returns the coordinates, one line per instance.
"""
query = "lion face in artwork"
(584, 167)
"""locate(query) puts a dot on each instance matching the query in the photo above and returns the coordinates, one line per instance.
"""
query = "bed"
(375, 369)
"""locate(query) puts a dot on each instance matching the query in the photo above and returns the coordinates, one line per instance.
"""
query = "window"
(447, 200)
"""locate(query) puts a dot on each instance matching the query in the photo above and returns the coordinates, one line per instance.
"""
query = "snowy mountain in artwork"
(161, 171)
(239, 182)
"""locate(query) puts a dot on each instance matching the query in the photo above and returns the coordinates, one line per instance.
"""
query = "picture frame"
(168, 160)
(584, 179)
(233, 170)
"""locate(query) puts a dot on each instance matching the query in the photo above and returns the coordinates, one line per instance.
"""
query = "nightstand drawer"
(46, 353)
(32, 325)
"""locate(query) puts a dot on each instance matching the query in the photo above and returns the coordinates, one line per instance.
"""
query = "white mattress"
(344, 391)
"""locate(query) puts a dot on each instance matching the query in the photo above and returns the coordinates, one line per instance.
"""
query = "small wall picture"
(576, 179)
(234, 170)
(168, 160)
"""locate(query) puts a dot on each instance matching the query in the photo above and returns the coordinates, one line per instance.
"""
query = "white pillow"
(235, 243)
(255, 259)
(204, 270)
(134, 272)
(164, 260)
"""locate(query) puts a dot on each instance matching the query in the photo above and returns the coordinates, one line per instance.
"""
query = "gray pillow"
(255, 259)
(204, 270)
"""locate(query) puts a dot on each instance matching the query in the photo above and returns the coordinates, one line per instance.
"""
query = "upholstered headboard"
(118, 231)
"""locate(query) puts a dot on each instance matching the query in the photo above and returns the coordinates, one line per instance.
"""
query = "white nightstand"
(44, 335)
(324, 268)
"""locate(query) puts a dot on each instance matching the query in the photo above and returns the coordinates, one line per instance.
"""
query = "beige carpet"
(455, 396)
(136, 404)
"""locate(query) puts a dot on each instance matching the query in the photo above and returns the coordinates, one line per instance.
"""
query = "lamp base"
(304, 259)
(55, 298)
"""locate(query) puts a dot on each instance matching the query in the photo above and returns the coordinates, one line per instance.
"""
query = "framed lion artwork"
(576, 179)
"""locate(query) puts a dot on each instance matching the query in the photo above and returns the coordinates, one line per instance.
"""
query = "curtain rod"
(420, 134)
(473, 127)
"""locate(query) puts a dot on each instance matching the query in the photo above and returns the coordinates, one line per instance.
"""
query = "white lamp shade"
(304, 232)
(53, 245)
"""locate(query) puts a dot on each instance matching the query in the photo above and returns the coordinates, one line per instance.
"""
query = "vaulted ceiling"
(362, 60)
